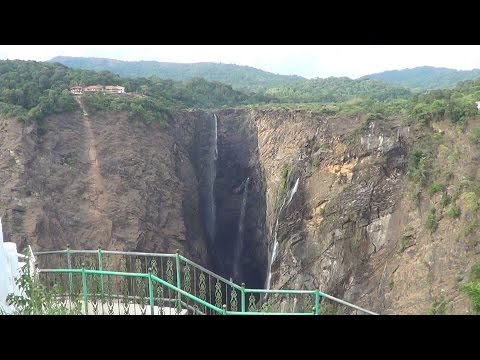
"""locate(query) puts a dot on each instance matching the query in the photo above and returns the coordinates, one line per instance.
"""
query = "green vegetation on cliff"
(472, 288)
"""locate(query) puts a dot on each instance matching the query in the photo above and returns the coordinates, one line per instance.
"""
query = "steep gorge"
(324, 197)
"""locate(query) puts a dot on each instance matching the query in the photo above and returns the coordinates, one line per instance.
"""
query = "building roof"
(94, 87)
(114, 87)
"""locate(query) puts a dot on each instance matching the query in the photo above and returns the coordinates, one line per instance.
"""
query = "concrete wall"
(9, 270)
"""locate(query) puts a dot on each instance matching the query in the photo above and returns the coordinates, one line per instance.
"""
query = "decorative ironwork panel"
(187, 279)
(154, 267)
(233, 300)
(160, 296)
(170, 271)
(218, 294)
(252, 306)
(109, 289)
(202, 287)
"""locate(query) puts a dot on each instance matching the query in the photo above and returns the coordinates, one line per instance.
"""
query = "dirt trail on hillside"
(96, 189)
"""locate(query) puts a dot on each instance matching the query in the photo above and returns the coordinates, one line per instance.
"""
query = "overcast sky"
(305, 60)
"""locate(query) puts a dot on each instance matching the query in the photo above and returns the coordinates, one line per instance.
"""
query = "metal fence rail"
(117, 277)
(103, 292)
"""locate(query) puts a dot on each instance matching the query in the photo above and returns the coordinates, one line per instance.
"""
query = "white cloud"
(305, 60)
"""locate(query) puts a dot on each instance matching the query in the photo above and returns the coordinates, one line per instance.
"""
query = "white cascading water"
(294, 190)
(239, 245)
(216, 136)
(275, 241)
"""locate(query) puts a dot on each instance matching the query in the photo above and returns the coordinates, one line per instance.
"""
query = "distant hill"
(243, 78)
(337, 89)
(425, 77)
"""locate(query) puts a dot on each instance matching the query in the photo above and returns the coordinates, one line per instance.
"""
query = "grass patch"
(439, 307)
(469, 227)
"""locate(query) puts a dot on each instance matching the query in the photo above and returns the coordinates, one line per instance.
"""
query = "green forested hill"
(243, 78)
(335, 89)
(425, 77)
(31, 91)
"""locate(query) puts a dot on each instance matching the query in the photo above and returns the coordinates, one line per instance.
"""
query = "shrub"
(470, 200)
(471, 226)
(418, 166)
(36, 299)
(431, 223)
(434, 188)
(472, 288)
(475, 272)
(448, 175)
(475, 136)
(454, 212)
(445, 200)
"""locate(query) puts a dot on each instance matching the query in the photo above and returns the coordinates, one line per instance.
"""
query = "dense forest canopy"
(249, 79)
(31, 91)
(334, 89)
(243, 78)
(425, 77)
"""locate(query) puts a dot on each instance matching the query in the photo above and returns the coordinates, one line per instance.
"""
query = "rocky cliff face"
(101, 181)
(331, 191)
(346, 219)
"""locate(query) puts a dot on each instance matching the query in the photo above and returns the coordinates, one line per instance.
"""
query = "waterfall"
(275, 240)
(237, 255)
(211, 166)
(294, 190)
(216, 137)
(275, 247)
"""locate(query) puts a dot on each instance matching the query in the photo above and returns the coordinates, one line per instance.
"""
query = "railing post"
(85, 289)
(317, 302)
(150, 292)
(179, 282)
(70, 275)
(100, 267)
(243, 305)
(224, 308)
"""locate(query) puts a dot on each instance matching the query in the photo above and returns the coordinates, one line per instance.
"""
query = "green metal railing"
(123, 278)
(112, 299)
(173, 268)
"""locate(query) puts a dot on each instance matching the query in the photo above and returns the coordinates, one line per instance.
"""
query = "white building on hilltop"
(112, 89)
